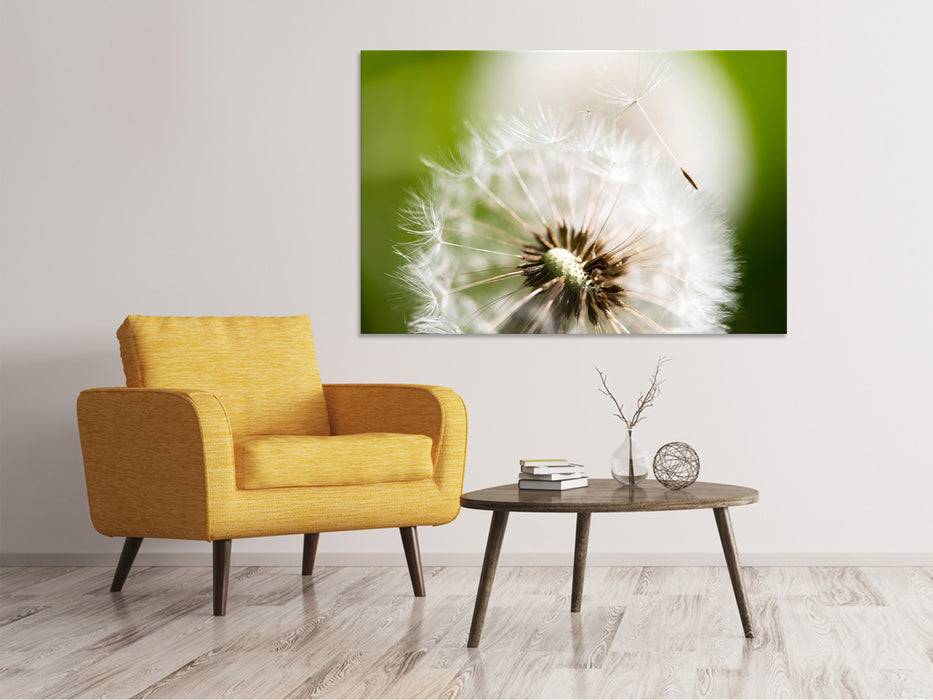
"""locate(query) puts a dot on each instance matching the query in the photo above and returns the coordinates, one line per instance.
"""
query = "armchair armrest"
(150, 456)
(435, 411)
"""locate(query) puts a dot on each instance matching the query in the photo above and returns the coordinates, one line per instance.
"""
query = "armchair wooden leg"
(127, 557)
(308, 553)
(413, 557)
(221, 575)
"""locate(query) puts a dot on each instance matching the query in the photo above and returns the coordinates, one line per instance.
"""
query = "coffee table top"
(608, 496)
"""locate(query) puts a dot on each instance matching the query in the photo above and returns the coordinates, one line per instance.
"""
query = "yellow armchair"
(225, 431)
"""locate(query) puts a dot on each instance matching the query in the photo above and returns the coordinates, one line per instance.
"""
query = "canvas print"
(611, 193)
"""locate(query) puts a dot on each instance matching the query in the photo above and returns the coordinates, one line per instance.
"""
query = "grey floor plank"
(358, 632)
(14, 579)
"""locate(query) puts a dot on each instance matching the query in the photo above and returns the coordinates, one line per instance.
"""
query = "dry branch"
(645, 399)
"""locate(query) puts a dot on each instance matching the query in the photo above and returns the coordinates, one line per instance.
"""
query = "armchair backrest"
(263, 369)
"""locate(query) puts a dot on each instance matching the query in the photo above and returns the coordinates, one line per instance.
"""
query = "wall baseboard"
(476, 559)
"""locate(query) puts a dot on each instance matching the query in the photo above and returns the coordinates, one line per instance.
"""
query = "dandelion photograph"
(613, 192)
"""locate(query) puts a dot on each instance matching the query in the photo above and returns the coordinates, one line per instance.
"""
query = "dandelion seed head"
(552, 223)
(560, 262)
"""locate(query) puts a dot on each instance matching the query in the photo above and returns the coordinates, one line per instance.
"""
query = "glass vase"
(629, 462)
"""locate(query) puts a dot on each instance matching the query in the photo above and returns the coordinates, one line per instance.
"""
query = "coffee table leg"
(579, 560)
(724, 524)
(493, 547)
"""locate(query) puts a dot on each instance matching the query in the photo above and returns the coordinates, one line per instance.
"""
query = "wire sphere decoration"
(676, 465)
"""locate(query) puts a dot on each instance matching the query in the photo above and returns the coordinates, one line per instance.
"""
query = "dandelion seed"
(647, 81)
(562, 225)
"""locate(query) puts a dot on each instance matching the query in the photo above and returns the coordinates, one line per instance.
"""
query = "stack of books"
(551, 475)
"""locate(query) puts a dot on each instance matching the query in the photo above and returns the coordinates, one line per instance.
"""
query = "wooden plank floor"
(359, 632)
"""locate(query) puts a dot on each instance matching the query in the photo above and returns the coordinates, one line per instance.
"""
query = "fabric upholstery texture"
(161, 456)
(274, 461)
(264, 370)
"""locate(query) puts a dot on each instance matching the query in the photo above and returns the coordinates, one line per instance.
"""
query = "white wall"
(203, 158)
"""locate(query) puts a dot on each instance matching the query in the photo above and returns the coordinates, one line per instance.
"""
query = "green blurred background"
(414, 103)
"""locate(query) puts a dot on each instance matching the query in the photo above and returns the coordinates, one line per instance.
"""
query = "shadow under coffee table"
(603, 496)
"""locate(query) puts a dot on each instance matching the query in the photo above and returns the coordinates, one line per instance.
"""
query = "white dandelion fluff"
(551, 224)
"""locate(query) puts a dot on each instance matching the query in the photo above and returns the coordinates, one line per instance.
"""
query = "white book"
(550, 477)
(553, 485)
(568, 469)
(547, 463)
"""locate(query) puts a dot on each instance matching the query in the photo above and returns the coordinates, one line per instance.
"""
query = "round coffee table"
(603, 496)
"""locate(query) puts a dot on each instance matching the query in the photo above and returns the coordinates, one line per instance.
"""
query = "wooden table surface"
(609, 496)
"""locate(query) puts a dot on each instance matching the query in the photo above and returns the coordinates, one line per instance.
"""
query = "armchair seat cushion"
(277, 461)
